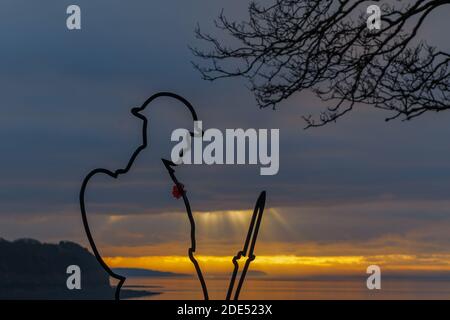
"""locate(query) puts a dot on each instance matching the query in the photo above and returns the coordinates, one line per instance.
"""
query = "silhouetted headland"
(30, 269)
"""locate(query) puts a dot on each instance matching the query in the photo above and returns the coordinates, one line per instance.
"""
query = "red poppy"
(177, 190)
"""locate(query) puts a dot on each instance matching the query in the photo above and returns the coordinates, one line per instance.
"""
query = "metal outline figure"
(252, 232)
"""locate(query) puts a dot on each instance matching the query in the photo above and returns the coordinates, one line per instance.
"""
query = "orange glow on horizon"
(286, 265)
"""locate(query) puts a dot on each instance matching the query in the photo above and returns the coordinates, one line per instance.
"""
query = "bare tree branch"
(325, 46)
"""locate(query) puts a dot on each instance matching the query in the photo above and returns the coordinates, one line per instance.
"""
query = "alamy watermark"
(73, 21)
(74, 280)
(236, 146)
(374, 20)
(374, 280)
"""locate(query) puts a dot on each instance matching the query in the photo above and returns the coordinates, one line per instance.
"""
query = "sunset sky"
(355, 193)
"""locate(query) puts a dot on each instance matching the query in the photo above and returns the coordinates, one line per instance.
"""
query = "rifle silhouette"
(246, 251)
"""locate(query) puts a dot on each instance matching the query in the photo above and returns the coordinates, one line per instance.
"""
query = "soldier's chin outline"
(115, 174)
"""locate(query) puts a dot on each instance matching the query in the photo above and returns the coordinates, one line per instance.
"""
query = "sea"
(289, 289)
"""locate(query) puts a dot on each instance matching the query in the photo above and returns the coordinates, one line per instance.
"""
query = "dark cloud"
(65, 110)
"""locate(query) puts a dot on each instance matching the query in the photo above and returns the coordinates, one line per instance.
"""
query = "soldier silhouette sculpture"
(179, 192)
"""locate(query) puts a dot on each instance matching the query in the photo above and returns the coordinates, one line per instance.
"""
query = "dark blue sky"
(65, 109)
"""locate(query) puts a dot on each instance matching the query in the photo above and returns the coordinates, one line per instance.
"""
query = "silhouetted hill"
(255, 273)
(33, 270)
